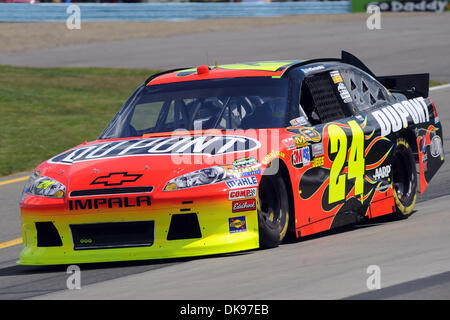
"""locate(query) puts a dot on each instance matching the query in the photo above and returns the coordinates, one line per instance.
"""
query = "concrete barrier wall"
(166, 11)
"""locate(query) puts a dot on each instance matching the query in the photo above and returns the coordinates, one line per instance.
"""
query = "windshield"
(237, 103)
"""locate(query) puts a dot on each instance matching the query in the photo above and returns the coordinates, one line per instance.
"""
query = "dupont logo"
(244, 205)
(242, 194)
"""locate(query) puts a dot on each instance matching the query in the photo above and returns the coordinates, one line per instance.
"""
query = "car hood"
(147, 161)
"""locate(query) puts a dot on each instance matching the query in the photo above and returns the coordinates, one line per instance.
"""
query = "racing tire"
(273, 211)
(404, 179)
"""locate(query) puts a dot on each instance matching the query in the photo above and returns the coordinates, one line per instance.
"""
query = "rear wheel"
(404, 179)
(273, 211)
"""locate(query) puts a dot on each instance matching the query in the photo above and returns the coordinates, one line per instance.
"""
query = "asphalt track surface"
(413, 255)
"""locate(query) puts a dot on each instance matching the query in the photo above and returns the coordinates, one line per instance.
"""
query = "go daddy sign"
(402, 6)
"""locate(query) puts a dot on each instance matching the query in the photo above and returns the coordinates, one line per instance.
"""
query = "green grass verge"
(44, 111)
(436, 83)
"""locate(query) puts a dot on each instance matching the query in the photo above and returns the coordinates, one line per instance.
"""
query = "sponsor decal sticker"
(182, 145)
(242, 162)
(317, 149)
(301, 157)
(242, 182)
(436, 146)
(237, 224)
(382, 172)
(289, 143)
(300, 121)
(343, 92)
(242, 194)
(272, 155)
(109, 203)
(394, 117)
(244, 172)
(300, 141)
(336, 77)
(318, 162)
(244, 205)
(311, 69)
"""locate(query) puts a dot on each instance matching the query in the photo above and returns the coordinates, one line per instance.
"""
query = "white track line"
(443, 86)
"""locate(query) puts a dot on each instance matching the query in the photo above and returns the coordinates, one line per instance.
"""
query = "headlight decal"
(197, 178)
(44, 186)
(234, 177)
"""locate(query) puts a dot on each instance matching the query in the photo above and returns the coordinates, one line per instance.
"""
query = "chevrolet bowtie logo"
(116, 179)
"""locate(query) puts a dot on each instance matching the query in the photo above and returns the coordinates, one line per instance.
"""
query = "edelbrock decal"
(394, 117)
(204, 145)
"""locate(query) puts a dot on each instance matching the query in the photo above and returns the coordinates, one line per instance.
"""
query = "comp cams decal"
(204, 145)
(242, 194)
(394, 117)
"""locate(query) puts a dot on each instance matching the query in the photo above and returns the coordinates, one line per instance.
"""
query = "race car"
(227, 158)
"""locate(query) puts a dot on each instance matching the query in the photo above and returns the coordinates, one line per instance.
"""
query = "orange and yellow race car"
(235, 157)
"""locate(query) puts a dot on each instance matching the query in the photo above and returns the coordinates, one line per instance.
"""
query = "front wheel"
(273, 211)
(404, 179)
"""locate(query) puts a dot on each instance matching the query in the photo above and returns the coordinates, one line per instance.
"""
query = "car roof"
(246, 69)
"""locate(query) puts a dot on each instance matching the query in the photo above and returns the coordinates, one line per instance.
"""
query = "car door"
(368, 94)
(339, 190)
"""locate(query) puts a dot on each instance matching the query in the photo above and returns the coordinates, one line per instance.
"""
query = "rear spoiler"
(411, 85)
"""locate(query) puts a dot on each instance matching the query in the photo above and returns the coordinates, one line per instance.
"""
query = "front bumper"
(217, 236)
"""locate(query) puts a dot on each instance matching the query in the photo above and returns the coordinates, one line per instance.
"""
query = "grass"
(44, 111)
(436, 83)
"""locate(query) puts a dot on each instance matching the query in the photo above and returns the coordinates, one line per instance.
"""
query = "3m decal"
(301, 157)
(204, 145)
(116, 179)
(237, 224)
(242, 194)
(356, 162)
(244, 205)
(242, 182)
(394, 117)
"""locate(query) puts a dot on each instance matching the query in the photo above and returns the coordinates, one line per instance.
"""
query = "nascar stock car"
(235, 157)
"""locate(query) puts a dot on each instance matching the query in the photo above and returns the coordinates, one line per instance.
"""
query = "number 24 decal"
(356, 165)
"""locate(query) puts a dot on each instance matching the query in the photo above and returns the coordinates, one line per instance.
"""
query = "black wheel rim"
(270, 204)
(403, 175)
